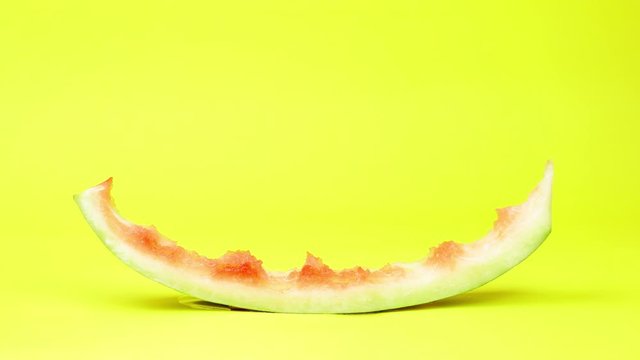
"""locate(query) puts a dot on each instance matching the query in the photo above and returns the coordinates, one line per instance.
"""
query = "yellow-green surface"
(365, 132)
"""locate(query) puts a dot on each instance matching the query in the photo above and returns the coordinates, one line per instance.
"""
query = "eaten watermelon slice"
(238, 278)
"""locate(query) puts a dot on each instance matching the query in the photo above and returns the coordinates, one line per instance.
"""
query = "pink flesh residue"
(242, 266)
(446, 254)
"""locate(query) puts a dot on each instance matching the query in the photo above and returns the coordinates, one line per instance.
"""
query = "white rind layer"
(481, 262)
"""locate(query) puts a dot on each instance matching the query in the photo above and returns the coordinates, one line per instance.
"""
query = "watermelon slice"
(238, 278)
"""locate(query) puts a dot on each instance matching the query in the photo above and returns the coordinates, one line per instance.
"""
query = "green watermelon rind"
(485, 260)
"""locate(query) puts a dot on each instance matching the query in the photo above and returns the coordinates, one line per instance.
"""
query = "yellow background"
(365, 132)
